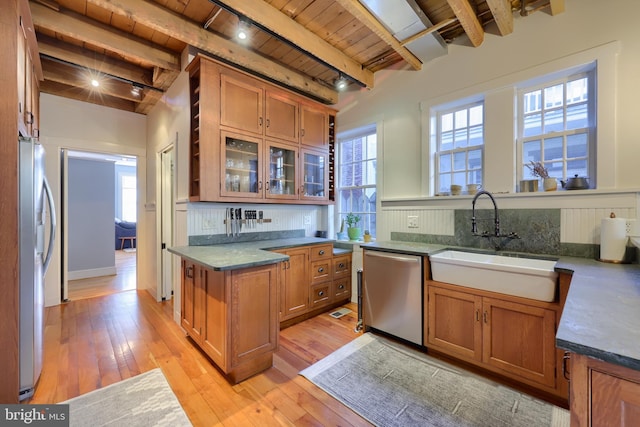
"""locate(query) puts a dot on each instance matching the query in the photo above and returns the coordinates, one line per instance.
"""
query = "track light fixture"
(136, 90)
(341, 83)
(243, 28)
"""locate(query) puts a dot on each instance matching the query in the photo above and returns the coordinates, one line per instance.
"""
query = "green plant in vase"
(354, 232)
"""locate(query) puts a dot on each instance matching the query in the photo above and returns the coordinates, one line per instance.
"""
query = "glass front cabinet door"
(282, 171)
(314, 175)
(241, 163)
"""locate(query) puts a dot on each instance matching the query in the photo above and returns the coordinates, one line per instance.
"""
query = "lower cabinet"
(511, 338)
(603, 394)
(232, 316)
(312, 279)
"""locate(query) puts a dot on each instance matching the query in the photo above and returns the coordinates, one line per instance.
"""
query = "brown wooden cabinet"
(603, 394)
(313, 279)
(232, 316)
(28, 66)
(229, 104)
(503, 334)
(294, 283)
(314, 123)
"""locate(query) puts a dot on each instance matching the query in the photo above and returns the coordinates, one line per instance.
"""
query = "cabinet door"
(315, 178)
(242, 165)
(283, 177)
(282, 117)
(295, 283)
(191, 310)
(241, 105)
(254, 316)
(519, 339)
(314, 127)
(455, 322)
(214, 333)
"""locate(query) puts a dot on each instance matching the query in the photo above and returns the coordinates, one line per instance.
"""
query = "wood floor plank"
(94, 342)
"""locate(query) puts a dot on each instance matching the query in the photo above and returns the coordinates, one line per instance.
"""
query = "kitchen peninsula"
(236, 296)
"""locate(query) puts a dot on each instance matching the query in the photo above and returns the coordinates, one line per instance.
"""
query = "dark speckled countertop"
(601, 317)
(234, 256)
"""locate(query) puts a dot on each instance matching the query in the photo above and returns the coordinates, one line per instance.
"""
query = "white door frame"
(165, 213)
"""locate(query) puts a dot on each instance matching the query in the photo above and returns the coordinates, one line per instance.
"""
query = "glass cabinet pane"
(241, 166)
(314, 175)
(282, 170)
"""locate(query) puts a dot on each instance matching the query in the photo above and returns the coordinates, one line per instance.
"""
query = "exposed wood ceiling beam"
(286, 28)
(65, 91)
(469, 21)
(429, 30)
(72, 76)
(557, 6)
(93, 60)
(80, 28)
(502, 14)
(165, 22)
(362, 14)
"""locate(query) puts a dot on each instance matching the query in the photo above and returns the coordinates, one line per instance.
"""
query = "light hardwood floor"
(94, 342)
(124, 280)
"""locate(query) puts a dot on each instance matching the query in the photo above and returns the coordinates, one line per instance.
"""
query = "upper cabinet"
(248, 140)
(28, 66)
(314, 124)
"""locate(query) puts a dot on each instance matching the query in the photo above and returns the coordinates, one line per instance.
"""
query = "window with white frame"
(556, 126)
(460, 146)
(356, 170)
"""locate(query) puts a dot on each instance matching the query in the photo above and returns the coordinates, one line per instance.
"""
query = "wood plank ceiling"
(304, 45)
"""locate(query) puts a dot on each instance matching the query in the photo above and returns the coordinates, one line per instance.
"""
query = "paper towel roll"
(613, 239)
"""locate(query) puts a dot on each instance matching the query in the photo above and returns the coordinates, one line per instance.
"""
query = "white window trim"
(605, 57)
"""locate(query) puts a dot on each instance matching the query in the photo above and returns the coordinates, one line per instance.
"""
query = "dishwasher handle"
(394, 257)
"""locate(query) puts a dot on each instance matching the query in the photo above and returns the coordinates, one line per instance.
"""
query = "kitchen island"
(235, 295)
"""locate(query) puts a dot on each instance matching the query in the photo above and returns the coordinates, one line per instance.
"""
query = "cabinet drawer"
(321, 271)
(342, 288)
(320, 294)
(319, 252)
(341, 266)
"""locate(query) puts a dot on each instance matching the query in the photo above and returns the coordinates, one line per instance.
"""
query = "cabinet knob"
(341, 265)
(321, 252)
(341, 287)
(321, 293)
(321, 270)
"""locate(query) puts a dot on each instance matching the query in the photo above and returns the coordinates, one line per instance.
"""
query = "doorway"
(165, 221)
(99, 224)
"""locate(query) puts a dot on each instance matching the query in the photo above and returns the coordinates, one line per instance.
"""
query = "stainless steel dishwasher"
(392, 294)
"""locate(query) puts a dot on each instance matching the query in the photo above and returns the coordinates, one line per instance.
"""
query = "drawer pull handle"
(189, 272)
(565, 361)
(321, 270)
(321, 252)
(485, 317)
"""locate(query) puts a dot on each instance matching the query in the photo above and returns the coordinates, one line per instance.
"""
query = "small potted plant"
(538, 170)
(366, 236)
(353, 230)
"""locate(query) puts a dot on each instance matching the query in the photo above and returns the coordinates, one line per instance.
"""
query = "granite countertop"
(235, 256)
(601, 317)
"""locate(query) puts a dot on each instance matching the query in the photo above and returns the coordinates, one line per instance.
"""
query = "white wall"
(538, 41)
(66, 123)
(91, 211)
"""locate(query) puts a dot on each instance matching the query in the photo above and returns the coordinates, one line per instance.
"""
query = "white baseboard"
(94, 272)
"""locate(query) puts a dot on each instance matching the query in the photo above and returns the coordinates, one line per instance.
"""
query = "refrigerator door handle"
(52, 224)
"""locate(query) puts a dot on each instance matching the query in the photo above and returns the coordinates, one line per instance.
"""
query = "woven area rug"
(144, 400)
(393, 385)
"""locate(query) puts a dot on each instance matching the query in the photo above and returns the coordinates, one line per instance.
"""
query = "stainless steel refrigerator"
(34, 193)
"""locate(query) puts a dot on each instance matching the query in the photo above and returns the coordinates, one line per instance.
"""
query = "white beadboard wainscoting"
(208, 218)
(580, 213)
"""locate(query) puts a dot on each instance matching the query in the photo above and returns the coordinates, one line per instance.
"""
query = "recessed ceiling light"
(243, 29)
(341, 83)
(95, 83)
